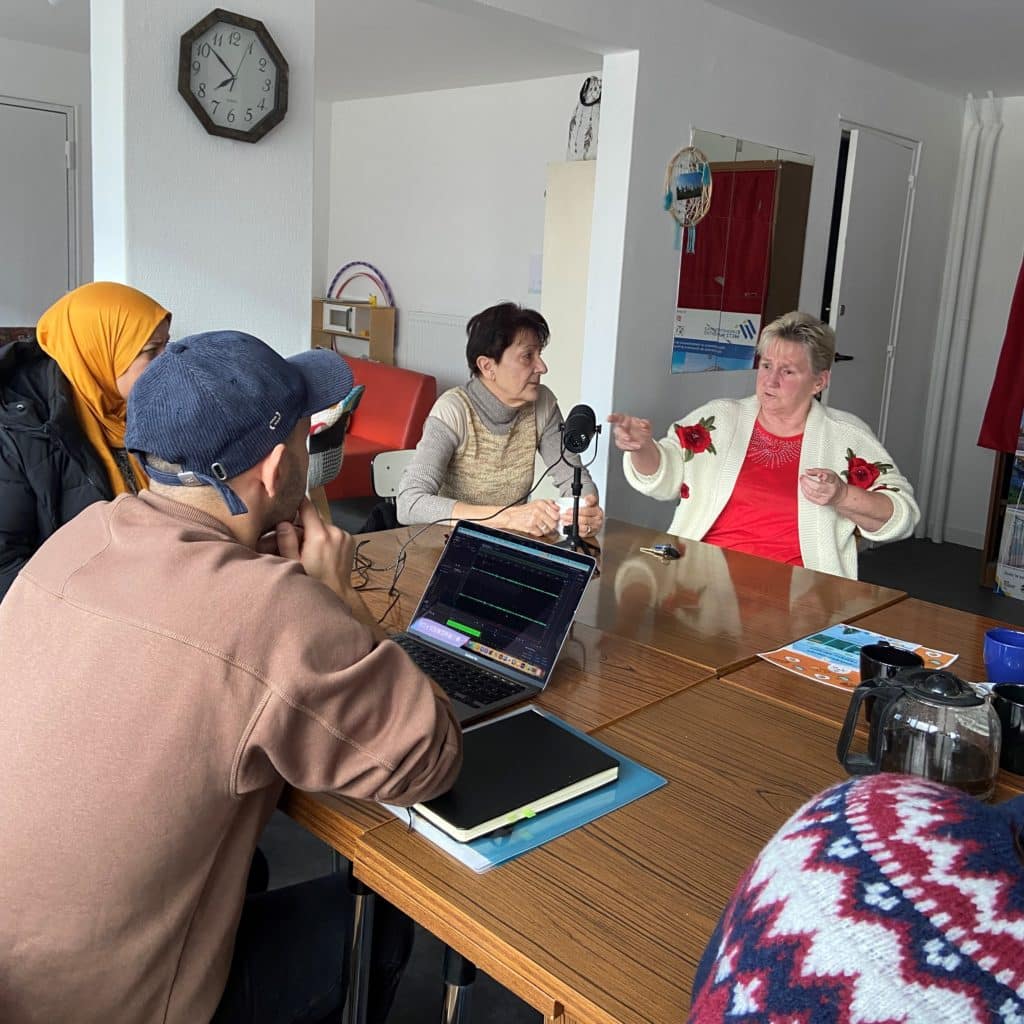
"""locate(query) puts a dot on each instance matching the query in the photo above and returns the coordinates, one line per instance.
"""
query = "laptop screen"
(502, 602)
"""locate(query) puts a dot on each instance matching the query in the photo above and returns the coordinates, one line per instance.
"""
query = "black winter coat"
(49, 471)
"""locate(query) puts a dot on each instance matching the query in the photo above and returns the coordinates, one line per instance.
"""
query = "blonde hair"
(816, 337)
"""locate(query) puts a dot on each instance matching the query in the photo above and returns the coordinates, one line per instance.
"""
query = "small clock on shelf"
(233, 76)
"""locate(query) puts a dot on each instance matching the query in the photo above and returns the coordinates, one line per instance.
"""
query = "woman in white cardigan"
(776, 474)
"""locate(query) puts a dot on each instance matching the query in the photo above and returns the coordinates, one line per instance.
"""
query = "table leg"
(459, 975)
(359, 953)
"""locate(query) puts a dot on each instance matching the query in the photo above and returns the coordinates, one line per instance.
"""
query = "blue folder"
(634, 781)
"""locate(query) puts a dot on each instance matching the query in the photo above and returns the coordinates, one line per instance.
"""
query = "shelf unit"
(355, 328)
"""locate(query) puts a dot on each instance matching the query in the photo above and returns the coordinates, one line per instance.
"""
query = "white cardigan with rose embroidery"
(827, 540)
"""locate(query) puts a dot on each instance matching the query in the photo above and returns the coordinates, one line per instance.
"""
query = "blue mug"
(1004, 655)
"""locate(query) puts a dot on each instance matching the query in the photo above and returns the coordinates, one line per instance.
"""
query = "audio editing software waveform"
(511, 606)
(528, 596)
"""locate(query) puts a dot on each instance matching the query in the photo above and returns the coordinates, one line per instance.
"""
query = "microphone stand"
(572, 530)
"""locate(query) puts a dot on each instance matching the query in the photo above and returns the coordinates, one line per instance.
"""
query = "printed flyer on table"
(833, 655)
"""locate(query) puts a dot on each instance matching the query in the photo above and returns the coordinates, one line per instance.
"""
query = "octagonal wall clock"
(233, 76)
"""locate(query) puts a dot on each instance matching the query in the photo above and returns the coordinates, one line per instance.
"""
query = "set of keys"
(666, 552)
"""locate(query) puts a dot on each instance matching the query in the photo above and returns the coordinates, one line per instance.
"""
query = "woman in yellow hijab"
(62, 412)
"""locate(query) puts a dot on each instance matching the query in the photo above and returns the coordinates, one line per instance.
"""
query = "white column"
(218, 231)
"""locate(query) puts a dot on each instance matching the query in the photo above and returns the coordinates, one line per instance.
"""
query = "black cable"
(363, 566)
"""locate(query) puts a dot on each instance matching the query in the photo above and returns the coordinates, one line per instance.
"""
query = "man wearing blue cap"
(162, 680)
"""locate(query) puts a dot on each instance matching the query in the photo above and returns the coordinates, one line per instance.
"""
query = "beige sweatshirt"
(159, 683)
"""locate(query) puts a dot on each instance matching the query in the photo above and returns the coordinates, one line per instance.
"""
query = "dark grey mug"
(1008, 703)
(881, 662)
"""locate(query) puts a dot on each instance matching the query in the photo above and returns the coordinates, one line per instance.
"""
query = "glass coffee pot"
(928, 723)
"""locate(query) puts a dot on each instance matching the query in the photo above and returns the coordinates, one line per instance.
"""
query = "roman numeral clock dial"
(233, 76)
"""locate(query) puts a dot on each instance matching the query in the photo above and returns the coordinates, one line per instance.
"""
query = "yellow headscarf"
(94, 334)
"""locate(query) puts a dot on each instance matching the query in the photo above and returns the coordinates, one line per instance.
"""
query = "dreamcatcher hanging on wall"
(688, 192)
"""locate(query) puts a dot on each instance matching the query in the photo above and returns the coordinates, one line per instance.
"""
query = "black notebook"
(512, 769)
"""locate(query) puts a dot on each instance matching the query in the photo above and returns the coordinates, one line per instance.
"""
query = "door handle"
(840, 358)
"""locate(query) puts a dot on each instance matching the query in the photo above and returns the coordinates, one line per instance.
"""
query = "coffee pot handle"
(869, 763)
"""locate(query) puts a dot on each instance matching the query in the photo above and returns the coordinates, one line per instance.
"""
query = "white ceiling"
(64, 25)
(956, 45)
(375, 48)
(383, 47)
(387, 47)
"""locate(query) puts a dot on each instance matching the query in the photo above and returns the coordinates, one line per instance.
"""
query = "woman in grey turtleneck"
(479, 444)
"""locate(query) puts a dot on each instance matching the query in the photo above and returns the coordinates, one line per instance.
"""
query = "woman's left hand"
(823, 486)
(591, 516)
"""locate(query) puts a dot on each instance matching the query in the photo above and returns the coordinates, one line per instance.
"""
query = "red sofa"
(390, 416)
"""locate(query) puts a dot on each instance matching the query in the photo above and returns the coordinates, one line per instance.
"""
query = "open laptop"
(494, 616)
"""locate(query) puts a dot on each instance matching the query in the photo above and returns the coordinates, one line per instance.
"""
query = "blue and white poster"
(711, 339)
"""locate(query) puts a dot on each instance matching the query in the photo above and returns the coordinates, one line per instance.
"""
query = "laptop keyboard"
(472, 686)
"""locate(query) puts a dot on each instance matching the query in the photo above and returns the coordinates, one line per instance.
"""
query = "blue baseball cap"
(217, 403)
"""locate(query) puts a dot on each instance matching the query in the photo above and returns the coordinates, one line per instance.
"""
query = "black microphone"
(579, 429)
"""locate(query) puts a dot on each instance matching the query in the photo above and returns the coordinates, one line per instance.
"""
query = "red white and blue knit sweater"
(885, 899)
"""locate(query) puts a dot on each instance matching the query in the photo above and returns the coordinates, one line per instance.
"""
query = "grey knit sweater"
(445, 433)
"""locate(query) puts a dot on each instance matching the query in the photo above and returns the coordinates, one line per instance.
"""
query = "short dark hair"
(490, 332)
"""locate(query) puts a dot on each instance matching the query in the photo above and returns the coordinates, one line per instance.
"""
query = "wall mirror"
(740, 267)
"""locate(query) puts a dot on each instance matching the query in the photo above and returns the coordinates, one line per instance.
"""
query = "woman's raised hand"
(631, 433)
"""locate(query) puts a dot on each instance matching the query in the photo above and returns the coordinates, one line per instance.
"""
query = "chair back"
(386, 471)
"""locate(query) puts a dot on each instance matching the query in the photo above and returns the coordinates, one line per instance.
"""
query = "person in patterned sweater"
(886, 898)
(777, 474)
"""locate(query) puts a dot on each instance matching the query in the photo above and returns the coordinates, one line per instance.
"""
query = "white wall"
(742, 79)
(444, 192)
(1000, 260)
(218, 231)
(57, 76)
(321, 191)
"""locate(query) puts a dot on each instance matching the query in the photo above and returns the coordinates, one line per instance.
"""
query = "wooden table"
(715, 608)
(599, 678)
(606, 924)
(945, 628)
(932, 625)
(929, 624)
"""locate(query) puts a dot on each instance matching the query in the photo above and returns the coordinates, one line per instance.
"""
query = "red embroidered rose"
(863, 474)
(684, 491)
(696, 438)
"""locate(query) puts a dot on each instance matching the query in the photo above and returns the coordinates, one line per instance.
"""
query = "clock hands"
(239, 68)
(233, 75)
(226, 81)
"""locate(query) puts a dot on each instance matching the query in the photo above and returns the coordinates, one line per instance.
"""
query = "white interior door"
(37, 215)
(873, 234)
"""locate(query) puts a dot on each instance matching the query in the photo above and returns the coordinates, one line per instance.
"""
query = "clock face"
(236, 78)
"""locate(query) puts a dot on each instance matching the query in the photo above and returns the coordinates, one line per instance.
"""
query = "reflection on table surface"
(713, 608)
(607, 923)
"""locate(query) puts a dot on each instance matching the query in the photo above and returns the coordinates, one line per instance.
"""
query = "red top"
(760, 516)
